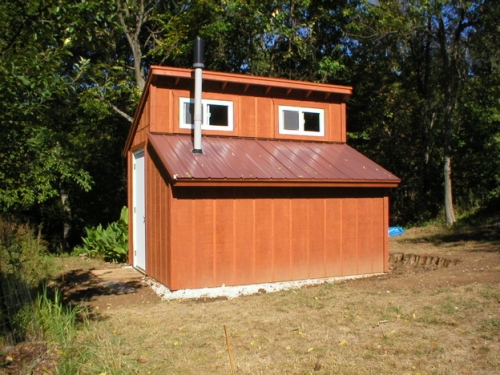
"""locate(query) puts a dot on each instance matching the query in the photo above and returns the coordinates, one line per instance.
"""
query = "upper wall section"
(260, 107)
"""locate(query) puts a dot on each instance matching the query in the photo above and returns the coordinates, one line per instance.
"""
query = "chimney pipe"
(198, 68)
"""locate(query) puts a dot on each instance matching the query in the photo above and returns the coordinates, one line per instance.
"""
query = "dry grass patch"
(327, 329)
(414, 321)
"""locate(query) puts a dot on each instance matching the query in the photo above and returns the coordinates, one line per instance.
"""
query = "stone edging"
(422, 260)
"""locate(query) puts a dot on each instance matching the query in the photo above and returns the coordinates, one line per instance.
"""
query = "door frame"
(139, 209)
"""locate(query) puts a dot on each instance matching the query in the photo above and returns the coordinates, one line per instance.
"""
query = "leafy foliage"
(425, 74)
(34, 54)
(110, 243)
(418, 84)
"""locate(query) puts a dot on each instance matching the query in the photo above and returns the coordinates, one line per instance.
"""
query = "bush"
(24, 265)
(23, 253)
(110, 244)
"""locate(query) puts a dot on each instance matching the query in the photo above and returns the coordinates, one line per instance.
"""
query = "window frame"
(301, 111)
(205, 114)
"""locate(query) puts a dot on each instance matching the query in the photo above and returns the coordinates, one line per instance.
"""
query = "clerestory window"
(301, 121)
(216, 114)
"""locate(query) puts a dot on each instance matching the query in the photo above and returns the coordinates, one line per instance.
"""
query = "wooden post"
(228, 344)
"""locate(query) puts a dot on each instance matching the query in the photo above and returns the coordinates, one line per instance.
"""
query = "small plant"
(50, 318)
(47, 319)
(110, 243)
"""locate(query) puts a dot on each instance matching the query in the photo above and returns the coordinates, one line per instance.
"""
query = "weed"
(490, 328)
(448, 307)
(56, 321)
(490, 293)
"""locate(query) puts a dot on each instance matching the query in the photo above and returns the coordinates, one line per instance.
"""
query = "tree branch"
(121, 113)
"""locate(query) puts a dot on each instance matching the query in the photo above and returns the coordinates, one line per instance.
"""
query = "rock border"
(427, 261)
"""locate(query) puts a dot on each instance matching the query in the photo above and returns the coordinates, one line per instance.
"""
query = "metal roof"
(250, 161)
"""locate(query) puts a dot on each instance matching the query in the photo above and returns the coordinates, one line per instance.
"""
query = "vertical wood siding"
(247, 115)
(162, 108)
(253, 116)
(158, 220)
(142, 131)
(234, 236)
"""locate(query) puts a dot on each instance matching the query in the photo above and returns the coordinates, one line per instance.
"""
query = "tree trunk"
(127, 14)
(448, 132)
(448, 195)
(67, 218)
(451, 82)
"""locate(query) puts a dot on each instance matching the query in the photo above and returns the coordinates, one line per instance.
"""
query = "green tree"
(415, 58)
(34, 49)
(52, 129)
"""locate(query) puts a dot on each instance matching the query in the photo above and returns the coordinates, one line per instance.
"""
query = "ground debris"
(118, 287)
(34, 358)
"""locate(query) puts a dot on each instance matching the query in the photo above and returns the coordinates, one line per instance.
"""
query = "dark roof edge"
(247, 79)
(284, 183)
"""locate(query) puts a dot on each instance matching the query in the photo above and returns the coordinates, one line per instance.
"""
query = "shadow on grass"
(80, 286)
(481, 228)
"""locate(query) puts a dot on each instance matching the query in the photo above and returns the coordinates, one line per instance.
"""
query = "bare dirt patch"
(469, 257)
(106, 287)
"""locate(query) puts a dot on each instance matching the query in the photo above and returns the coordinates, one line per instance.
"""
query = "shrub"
(110, 243)
(23, 253)
(24, 265)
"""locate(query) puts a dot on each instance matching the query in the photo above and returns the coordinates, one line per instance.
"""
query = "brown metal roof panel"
(297, 159)
(222, 158)
(184, 164)
(171, 151)
(265, 165)
(228, 158)
(359, 166)
(330, 161)
(289, 156)
(242, 158)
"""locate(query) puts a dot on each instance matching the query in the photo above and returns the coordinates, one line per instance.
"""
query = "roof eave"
(284, 183)
(245, 79)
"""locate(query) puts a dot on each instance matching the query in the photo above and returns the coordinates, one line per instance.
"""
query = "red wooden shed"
(275, 195)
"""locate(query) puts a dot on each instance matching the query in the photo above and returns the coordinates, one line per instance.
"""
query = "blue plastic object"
(395, 231)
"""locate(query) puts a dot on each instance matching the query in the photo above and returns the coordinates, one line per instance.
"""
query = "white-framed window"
(301, 121)
(216, 114)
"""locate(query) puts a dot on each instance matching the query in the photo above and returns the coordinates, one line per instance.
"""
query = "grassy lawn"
(420, 321)
(329, 329)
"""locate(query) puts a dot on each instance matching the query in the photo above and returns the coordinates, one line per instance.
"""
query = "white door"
(139, 216)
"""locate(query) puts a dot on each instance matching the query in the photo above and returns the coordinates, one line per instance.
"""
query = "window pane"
(311, 122)
(188, 113)
(291, 120)
(218, 115)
